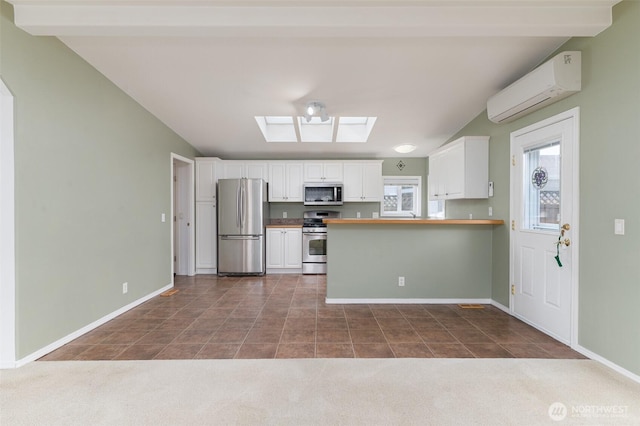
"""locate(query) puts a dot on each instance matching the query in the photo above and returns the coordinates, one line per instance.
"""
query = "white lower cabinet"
(284, 250)
(206, 238)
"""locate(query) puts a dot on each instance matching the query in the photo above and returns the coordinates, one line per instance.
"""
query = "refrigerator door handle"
(238, 206)
(243, 184)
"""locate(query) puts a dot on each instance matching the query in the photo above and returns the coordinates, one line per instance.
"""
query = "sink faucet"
(413, 214)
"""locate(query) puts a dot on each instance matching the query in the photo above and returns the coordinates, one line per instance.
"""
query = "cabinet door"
(233, 169)
(454, 183)
(313, 172)
(293, 248)
(294, 182)
(277, 182)
(371, 181)
(353, 176)
(275, 248)
(205, 180)
(206, 238)
(257, 170)
(333, 172)
(436, 178)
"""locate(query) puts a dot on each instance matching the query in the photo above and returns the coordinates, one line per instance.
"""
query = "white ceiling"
(205, 68)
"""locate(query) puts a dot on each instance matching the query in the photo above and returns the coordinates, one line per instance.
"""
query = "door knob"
(564, 228)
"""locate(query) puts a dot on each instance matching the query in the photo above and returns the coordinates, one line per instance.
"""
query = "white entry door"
(544, 207)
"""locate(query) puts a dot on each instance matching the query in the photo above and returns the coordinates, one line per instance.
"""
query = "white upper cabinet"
(363, 181)
(330, 171)
(460, 169)
(236, 169)
(206, 178)
(285, 181)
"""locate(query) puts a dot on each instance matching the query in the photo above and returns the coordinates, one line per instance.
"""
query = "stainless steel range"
(314, 241)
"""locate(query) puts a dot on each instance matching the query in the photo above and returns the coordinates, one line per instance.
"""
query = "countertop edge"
(409, 221)
(283, 226)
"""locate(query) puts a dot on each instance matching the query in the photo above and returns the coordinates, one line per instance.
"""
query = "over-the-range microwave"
(322, 194)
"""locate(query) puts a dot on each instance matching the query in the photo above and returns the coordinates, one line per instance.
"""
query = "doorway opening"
(182, 216)
(7, 233)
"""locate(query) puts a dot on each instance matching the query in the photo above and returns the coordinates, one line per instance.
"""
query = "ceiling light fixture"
(405, 148)
(315, 108)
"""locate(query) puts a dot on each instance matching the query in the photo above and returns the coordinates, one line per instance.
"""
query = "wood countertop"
(411, 221)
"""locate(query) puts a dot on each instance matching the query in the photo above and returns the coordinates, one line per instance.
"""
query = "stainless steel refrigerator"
(243, 210)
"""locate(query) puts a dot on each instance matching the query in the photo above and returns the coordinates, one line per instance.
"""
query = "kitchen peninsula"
(437, 260)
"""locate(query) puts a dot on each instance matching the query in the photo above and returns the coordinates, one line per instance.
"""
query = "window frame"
(417, 195)
(440, 214)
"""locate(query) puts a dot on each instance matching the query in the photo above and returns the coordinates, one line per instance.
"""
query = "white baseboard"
(281, 271)
(206, 271)
(406, 301)
(68, 338)
(584, 351)
(594, 356)
(500, 306)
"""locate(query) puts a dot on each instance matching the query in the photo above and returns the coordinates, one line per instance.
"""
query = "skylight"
(316, 130)
(354, 129)
(277, 129)
(297, 129)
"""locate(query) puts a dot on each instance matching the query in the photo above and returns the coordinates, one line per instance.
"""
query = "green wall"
(92, 180)
(609, 319)
(437, 261)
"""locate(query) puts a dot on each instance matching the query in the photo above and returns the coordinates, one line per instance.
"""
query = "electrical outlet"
(284, 215)
(125, 288)
(400, 281)
(490, 211)
(358, 215)
(375, 215)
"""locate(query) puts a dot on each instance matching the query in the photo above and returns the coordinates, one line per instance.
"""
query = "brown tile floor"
(284, 316)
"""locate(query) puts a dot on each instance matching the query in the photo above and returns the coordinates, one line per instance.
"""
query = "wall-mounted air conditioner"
(556, 79)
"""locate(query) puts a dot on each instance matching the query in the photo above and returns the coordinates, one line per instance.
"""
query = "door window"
(541, 187)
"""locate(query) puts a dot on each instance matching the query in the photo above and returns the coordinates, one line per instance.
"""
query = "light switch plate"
(618, 226)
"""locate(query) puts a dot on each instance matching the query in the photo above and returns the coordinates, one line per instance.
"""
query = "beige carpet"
(318, 392)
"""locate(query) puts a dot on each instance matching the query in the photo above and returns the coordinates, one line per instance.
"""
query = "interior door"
(543, 225)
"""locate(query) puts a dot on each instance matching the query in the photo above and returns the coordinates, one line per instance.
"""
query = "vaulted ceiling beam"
(299, 18)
